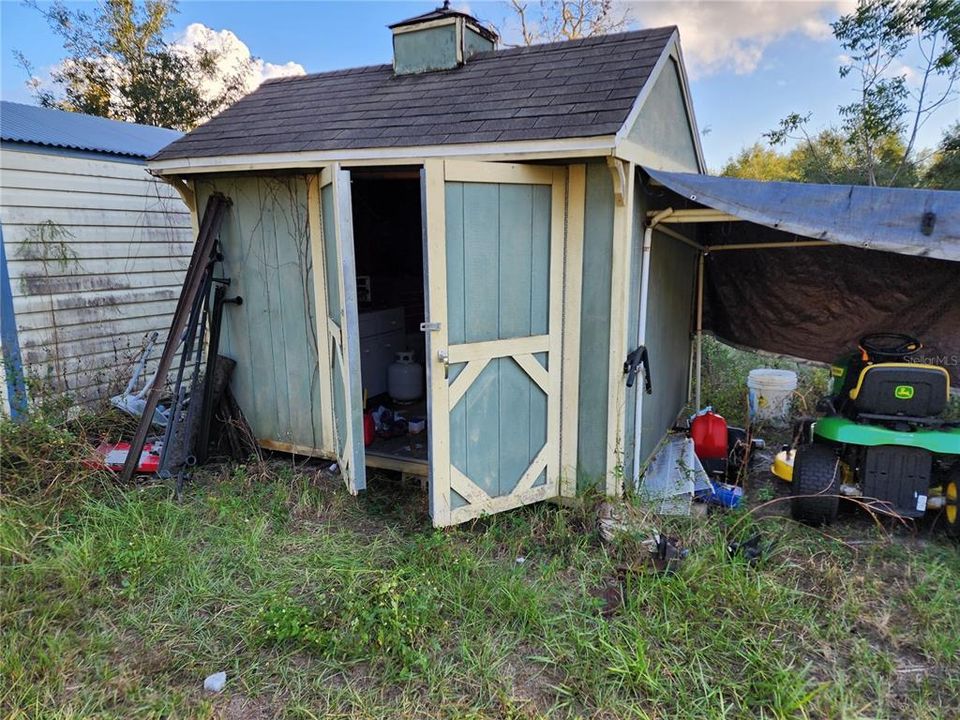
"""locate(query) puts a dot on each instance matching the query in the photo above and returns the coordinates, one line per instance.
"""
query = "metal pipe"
(700, 263)
(677, 236)
(641, 340)
(769, 245)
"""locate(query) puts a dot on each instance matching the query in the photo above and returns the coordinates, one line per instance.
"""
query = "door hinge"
(429, 327)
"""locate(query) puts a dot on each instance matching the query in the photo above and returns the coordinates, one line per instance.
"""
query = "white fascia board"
(521, 150)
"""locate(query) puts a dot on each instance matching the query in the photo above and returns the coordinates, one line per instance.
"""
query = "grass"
(117, 602)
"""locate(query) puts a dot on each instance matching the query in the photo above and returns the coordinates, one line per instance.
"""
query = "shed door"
(494, 264)
(342, 331)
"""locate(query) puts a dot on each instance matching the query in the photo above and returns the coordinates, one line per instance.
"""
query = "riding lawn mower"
(882, 439)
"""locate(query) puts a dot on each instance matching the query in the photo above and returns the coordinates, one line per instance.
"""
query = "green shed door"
(342, 329)
(495, 276)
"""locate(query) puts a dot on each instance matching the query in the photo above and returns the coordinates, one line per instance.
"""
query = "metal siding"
(423, 50)
(663, 130)
(669, 323)
(272, 335)
(96, 252)
(595, 326)
(49, 127)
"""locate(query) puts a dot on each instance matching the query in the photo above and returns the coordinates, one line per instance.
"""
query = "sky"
(750, 62)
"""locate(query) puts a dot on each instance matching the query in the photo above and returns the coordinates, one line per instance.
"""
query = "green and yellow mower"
(883, 439)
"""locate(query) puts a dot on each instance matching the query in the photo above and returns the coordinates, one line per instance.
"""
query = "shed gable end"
(663, 133)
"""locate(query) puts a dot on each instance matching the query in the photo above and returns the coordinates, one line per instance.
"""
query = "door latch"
(444, 358)
(429, 327)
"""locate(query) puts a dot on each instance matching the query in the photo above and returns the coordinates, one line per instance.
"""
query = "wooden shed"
(484, 208)
(94, 248)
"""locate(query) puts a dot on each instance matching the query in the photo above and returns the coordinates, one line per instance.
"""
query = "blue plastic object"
(724, 495)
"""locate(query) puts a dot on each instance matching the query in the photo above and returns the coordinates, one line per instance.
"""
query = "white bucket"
(770, 392)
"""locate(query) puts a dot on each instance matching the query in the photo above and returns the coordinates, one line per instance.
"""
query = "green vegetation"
(116, 603)
(725, 370)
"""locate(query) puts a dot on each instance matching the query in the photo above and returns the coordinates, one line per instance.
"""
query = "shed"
(482, 208)
(94, 247)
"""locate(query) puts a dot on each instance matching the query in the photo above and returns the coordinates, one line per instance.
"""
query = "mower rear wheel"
(816, 484)
(951, 507)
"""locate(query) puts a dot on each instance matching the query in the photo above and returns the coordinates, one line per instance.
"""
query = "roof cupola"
(441, 39)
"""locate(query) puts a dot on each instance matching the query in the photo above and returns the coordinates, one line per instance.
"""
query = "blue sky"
(750, 62)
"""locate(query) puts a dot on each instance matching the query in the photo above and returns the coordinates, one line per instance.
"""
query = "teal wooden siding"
(417, 51)
(272, 335)
(595, 327)
(498, 271)
(669, 326)
(662, 130)
(474, 43)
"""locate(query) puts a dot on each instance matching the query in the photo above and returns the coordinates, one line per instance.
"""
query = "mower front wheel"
(816, 484)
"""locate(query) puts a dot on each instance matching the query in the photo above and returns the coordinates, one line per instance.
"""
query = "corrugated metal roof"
(56, 128)
(575, 88)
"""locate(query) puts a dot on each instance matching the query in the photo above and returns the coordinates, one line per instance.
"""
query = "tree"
(823, 158)
(119, 66)
(554, 20)
(762, 163)
(882, 123)
(944, 170)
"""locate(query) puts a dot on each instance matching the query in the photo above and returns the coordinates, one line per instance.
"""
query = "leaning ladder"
(201, 262)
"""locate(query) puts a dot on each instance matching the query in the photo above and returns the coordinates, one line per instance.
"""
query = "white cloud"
(732, 35)
(233, 54)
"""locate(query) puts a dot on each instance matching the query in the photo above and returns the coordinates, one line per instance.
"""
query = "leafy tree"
(944, 170)
(762, 163)
(553, 20)
(823, 158)
(119, 66)
(880, 126)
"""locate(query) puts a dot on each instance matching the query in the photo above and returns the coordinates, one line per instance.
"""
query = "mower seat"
(901, 389)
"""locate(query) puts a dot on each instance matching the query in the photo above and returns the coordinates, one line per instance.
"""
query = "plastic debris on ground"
(215, 683)
(673, 477)
(112, 456)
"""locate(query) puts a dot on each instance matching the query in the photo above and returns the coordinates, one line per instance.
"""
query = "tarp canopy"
(893, 264)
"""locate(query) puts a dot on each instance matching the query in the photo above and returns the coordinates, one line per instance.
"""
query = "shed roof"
(571, 89)
(76, 131)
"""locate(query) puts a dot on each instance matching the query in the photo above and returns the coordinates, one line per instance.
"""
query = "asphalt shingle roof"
(76, 131)
(577, 88)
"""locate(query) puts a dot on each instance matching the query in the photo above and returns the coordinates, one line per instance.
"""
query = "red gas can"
(369, 428)
(709, 433)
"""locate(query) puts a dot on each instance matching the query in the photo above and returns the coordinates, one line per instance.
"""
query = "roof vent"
(438, 40)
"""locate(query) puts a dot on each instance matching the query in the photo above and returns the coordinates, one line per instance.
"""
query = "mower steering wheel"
(888, 346)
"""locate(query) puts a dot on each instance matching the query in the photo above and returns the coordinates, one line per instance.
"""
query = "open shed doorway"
(388, 247)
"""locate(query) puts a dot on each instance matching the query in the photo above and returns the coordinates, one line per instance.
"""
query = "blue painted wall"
(424, 50)
(272, 336)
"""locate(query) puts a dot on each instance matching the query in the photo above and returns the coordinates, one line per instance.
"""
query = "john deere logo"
(903, 392)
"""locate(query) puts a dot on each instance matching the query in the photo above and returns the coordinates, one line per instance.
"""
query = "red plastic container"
(369, 429)
(709, 433)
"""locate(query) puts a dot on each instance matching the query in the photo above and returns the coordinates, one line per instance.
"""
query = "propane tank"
(405, 378)
(709, 434)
